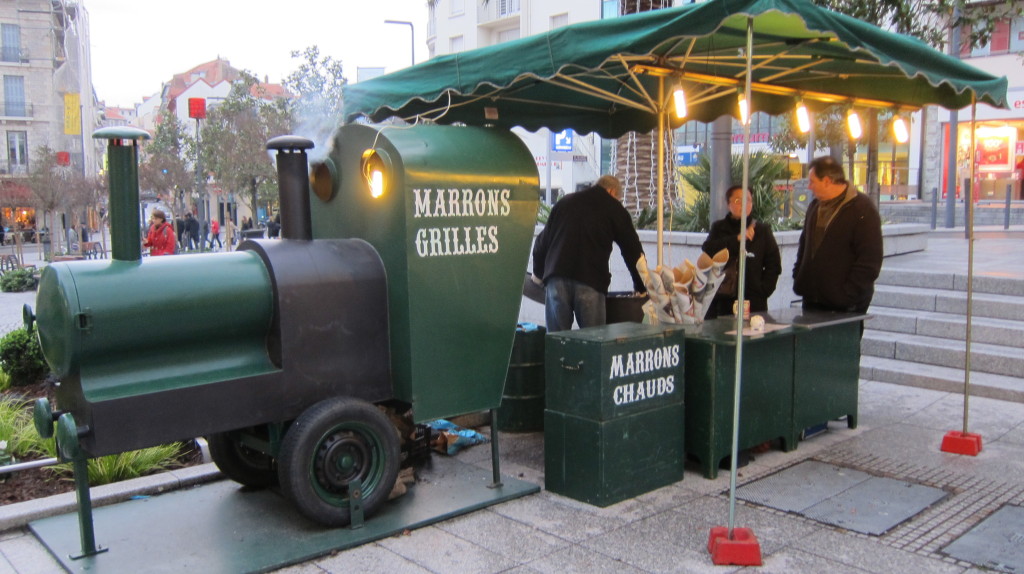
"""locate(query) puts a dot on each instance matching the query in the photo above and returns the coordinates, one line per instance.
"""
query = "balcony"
(13, 55)
(497, 11)
(8, 168)
(16, 109)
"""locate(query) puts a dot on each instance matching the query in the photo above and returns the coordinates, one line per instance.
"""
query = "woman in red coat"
(160, 238)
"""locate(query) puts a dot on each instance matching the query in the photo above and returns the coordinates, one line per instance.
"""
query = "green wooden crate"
(602, 463)
(602, 373)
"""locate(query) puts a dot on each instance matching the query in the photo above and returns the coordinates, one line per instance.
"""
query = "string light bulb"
(899, 129)
(376, 183)
(744, 109)
(803, 118)
(853, 123)
(373, 168)
(679, 100)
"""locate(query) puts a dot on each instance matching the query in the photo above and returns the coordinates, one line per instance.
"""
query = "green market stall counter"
(826, 364)
(802, 371)
(766, 390)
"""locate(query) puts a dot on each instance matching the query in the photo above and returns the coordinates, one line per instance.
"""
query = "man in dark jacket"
(840, 251)
(570, 256)
(192, 227)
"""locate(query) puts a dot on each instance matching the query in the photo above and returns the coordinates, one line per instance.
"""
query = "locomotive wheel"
(241, 463)
(329, 445)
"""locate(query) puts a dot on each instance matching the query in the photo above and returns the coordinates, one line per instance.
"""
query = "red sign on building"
(197, 108)
(63, 158)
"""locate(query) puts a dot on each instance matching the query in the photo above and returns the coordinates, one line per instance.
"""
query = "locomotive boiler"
(396, 280)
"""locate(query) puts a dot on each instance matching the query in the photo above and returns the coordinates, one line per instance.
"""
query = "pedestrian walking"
(215, 234)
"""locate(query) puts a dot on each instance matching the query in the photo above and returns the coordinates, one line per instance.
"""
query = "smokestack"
(293, 186)
(123, 184)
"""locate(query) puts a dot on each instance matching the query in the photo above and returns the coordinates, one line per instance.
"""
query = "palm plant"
(765, 170)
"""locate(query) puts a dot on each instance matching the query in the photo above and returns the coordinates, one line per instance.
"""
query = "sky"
(137, 45)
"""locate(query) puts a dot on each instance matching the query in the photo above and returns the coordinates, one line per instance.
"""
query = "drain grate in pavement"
(842, 496)
(996, 542)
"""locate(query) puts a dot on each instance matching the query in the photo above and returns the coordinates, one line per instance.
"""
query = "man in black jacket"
(570, 256)
(840, 251)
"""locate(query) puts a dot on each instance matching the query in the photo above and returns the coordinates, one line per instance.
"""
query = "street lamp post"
(197, 111)
(412, 36)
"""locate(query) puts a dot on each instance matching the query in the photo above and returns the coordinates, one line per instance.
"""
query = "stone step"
(938, 378)
(985, 358)
(950, 281)
(945, 326)
(995, 306)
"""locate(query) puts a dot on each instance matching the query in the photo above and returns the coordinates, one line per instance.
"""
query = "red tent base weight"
(742, 550)
(958, 442)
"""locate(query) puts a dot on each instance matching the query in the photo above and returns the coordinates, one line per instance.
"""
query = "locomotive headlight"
(375, 167)
(323, 177)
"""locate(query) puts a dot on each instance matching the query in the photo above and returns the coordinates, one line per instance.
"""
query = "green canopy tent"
(614, 76)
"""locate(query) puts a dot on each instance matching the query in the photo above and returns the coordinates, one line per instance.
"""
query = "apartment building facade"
(45, 64)
(565, 161)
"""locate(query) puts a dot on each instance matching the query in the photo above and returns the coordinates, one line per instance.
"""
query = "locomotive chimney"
(123, 183)
(293, 186)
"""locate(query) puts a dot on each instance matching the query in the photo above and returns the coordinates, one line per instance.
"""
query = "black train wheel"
(241, 463)
(332, 443)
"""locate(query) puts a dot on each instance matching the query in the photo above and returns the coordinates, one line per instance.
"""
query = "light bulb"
(373, 167)
(679, 99)
(899, 129)
(803, 119)
(853, 122)
(376, 183)
(744, 109)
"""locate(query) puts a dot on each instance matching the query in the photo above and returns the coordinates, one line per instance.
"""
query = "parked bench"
(11, 263)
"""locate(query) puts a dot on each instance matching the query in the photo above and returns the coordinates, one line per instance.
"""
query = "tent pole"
(964, 442)
(662, 119)
(741, 284)
(969, 222)
(733, 545)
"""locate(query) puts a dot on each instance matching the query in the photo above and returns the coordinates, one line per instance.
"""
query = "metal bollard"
(935, 207)
(968, 198)
(1006, 215)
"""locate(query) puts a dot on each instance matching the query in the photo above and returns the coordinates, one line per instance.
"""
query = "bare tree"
(164, 169)
(51, 185)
